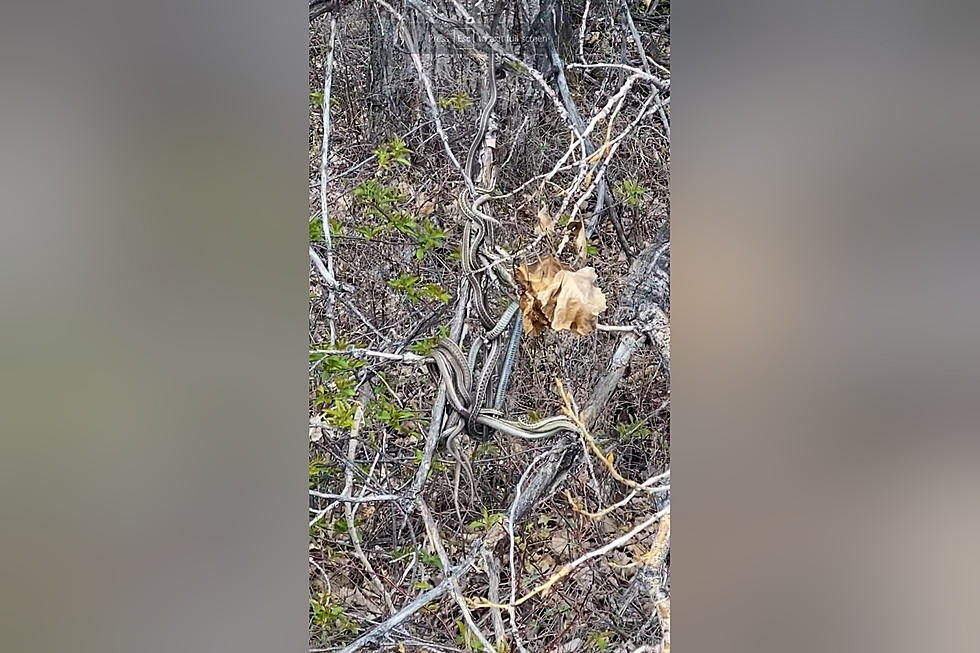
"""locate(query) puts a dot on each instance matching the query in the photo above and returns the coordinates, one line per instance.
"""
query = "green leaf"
(458, 101)
(599, 640)
(394, 151)
(430, 559)
(630, 192)
(435, 291)
(316, 231)
(635, 428)
(488, 520)
(370, 232)
(404, 282)
(425, 347)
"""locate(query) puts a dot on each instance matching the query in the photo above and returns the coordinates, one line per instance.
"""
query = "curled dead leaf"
(558, 297)
(536, 277)
(579, 301)
(546, 224)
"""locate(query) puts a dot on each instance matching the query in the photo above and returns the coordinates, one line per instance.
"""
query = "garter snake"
(466, 388)
(455, 372)
(452, 369)
(472, 243)
(484, 120)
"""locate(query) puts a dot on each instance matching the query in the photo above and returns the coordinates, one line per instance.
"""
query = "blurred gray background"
(825, 337)
(153, 303)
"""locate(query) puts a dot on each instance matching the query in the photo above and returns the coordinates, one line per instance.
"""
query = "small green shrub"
(458, 101)
(392, 152)
(630, 192)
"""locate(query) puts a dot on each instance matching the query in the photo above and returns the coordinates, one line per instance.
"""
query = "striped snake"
(484, 120)
(453, 370)
(467, 389)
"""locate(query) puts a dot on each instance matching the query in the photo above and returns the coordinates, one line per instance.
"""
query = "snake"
(472, 243)
(468, 390)
(451, 366)
(484, 119)
(455, 372)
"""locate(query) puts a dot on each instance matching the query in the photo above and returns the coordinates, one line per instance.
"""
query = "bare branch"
(324, 172)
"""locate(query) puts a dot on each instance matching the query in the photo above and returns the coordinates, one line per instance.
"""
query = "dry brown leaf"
(537, 278)
(579, 301)
(560, 541)
(546, 224)
(556, 296)
(427, 208)
(581, 241)
(534, 319)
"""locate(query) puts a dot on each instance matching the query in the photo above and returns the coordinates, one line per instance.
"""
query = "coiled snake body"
(467, 389)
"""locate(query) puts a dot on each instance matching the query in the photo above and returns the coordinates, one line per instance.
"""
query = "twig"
(581, 32)
(423, 599)
(576, 417)
(349, 499)
(404, 613)
(610, 380)
(660, 84)
(636, 36)
(578, 562)
(324, 167)
(357, 352)
(644, 62)
(325, 274)
(433, 530)
(612, 327)
(371, 157)
(331, 282)
(348, 510)
(435, 18)
(577, 506)
(493, 581)
(339, 498)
